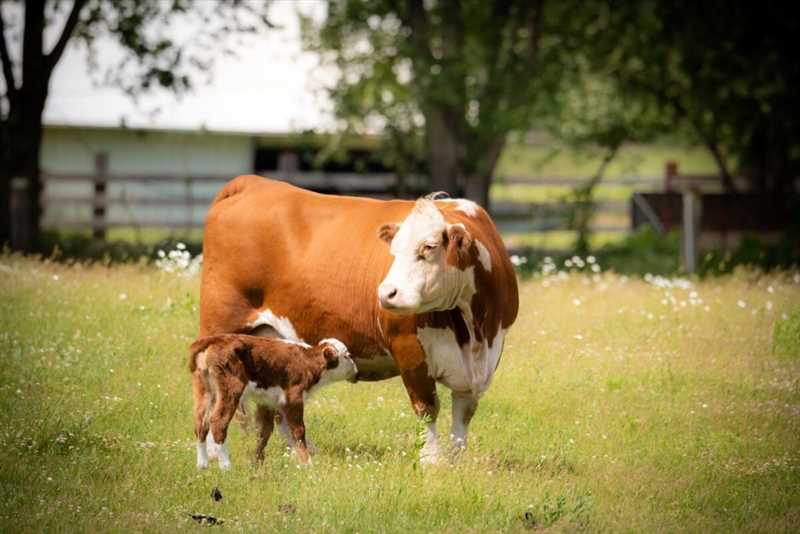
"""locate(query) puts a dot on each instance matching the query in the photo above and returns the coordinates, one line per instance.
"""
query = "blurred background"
(655, 136)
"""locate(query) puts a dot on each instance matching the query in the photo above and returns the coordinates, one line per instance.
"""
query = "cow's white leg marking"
(202, 455)
(464, 406)
(429, 454)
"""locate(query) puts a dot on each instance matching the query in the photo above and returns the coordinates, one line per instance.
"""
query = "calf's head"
(339, 365)
(431, 264)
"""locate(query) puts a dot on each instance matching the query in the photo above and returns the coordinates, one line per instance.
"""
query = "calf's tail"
(197, 347)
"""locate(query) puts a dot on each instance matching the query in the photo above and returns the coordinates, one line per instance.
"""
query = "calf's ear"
(331, 357)
(388, 231)
(459, 242)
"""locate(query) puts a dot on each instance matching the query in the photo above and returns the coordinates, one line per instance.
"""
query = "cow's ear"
(459, 243)
(331, 357)
(387, 231)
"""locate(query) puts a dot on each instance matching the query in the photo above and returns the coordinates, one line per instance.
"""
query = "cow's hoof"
(429, 456)
(224, 464)
(457, 448)
(202, 465)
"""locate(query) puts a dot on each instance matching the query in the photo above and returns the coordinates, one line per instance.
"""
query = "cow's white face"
(429, 271)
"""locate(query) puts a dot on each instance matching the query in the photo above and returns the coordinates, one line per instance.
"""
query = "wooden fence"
(101, 200)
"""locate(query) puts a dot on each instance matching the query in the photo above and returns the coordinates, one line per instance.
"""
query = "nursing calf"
(276, 373)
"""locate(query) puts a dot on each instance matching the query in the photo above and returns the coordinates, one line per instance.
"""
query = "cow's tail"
(236, 186)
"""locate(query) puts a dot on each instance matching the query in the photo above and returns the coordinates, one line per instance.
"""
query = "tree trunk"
(5, 186)
(21, 160)
(484, 152)
(727, 179)
(443, 152)
(476, 188)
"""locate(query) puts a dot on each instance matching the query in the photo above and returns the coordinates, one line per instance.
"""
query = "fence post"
(692, 215)
(670, 173)
(21, 234)
(99, 210)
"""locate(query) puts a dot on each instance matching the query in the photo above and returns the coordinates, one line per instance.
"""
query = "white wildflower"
(517, 261)
(741, 303)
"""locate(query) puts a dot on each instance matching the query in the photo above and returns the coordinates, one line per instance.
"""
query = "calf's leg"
(202, 400)
(265, 422)
(293, 414)
(229, 391)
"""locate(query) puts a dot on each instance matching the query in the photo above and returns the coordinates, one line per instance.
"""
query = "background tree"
(726, 73)
(152, 58)
(581, 105)
(459, 74)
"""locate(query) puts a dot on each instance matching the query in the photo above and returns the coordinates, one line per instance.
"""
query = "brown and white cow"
(422, 289)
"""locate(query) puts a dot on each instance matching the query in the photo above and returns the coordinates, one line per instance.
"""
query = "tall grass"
(620, 405)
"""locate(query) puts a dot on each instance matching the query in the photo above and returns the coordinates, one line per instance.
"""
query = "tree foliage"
(150, 52)
(458, 74)
(726, 73)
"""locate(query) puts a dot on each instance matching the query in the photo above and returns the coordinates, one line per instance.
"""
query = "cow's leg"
(464, 406)
(421, 390)
(202, 401)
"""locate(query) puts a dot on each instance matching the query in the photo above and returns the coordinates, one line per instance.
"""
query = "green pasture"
(619, 406)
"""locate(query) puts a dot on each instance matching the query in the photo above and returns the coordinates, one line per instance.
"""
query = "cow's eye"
(426, 249)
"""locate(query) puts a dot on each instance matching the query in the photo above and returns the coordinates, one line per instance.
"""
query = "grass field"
(619, 405)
